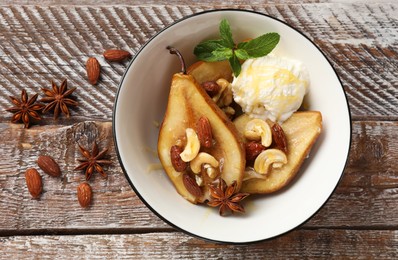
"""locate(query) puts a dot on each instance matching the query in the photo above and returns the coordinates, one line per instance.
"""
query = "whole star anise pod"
(92, 161)
(224, 196)
(25, 109)
(57, 99)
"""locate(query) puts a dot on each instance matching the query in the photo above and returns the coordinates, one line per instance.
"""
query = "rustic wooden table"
(52, 39)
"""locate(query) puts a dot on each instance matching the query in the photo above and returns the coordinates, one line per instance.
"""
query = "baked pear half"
(301, 130)
(192, 159)
(204, 71)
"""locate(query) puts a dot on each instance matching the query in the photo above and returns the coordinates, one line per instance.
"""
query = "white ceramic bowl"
(141, 101)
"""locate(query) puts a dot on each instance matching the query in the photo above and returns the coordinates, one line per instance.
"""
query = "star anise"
(25, 109)
(57, 99)
(92, 161)
(226, 198)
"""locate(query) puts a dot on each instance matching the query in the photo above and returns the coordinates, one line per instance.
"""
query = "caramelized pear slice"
(302, 130)
(186, 104)
(204, 71)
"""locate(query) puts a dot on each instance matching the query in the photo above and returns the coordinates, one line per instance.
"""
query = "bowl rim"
(143, 199)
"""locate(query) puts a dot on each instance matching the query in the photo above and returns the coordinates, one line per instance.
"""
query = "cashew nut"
(265, 159)
(192, 147)
(257, 129)
(223, 84)
(203, 158)
(224, 96)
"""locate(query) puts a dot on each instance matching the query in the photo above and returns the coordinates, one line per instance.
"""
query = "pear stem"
(173, 50)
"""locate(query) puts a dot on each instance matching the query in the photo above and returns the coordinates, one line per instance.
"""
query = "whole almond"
(84, 194)
(211, 87)
(116, 55)
(191, 185)
(279, 137)
(34, 183)
(178, 164)
(205, 135)
(93, 69)
(253, 149)
(48, 165)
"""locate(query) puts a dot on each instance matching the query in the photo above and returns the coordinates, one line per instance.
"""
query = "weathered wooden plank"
(114, 202)
(153, 2)
(44, 43)
(302, 244)
(367, 195)
(177, 2)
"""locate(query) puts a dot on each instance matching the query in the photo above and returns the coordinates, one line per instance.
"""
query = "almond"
(34, 183)
(116, 55)
(93, 70)
(211, 87)
(279, 137)
(48, 165)
(178, 164)
(84, 194)
(205, 135)
(191, 185)
(253, 149)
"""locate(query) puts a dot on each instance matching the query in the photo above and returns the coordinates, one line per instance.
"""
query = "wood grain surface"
(49, 40)
(300, 244)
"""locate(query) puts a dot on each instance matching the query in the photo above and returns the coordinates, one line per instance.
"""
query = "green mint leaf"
(207, 46)
(226, 34)
(260, 46)
(210, 50)
(223, 53)
(216, 55)
(235, 65)
(225, 48)
(242, 54)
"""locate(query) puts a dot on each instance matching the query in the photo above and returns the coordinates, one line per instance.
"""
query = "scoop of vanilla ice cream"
(271, 87)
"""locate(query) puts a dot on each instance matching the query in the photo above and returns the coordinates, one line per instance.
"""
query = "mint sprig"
(226, 49)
